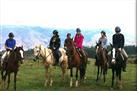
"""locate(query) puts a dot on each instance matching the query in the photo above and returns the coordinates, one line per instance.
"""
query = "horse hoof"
(45, 85)
(120, 87)
(76, 84)
(111, 88)
(50, 85)
(71, 85)
(85, 78)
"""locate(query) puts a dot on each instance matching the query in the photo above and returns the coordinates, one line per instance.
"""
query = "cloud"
(86, 14)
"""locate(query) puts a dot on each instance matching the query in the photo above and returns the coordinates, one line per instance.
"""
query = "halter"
(39, 54)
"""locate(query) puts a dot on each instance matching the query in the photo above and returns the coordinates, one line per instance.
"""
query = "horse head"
(37, 50)
(98, 47)
(19, 52)
(70, 46)
(115, 54)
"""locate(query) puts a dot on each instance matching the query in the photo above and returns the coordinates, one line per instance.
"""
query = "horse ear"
(111, 45)
(72, 38)
(40, 46)
(22, 46)
(96, 42)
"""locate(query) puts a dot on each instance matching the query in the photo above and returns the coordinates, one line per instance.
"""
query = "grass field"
(31, 78)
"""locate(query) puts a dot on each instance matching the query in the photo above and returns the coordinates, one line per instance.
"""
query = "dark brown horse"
(11, 64)
(75, 61)
(117, 66)
(101, 61)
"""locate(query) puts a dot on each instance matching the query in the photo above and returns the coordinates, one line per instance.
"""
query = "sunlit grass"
(31, 78)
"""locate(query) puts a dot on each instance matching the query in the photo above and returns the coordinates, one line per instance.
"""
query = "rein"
(46, 56)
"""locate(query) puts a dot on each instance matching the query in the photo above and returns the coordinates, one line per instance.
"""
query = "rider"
(9, 46)
(118, 42)
(66, 40)
(55, 45)
(103, 41)
(78, 40)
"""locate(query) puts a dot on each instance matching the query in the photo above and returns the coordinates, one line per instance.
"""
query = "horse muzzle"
(35, 58)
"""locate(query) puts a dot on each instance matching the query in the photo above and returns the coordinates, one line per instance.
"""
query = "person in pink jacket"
(78, 40)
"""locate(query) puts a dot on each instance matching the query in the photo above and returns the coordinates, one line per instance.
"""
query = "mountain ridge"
(29, 36)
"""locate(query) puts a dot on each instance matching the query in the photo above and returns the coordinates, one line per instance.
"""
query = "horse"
(75, 61)
(48, 60)
(101, 61)
(117, 66)
(11, 65)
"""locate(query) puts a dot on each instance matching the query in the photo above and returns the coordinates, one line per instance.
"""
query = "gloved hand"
(9, 48)
(65, 48)
(119, 49)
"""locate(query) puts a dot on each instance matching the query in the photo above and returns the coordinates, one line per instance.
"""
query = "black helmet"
(68, 34)
(78, 30)
(104, 33)
(55, 32)
(117, 29)
(11, 34)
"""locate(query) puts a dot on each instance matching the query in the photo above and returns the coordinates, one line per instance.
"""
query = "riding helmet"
(117, 29)
(11, 34)
(78, 30)
(55, 32)
(104, 33)
(68, 34)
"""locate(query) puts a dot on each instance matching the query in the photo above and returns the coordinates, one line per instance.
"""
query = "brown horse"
(101, 61)
(75, 61)
(11, 64)
(48, 60)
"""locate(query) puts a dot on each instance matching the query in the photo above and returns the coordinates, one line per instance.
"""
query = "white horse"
(49, 60)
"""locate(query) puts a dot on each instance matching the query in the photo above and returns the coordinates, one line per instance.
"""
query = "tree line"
(131, 50)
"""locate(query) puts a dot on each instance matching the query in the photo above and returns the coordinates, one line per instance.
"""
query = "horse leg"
(76, 77)
(105, 72)
(15, 78)
(82, 73)
(104, 75)
(71, 76)
(50, 75)
(46, 77)
(4, 79)
(119, 79)
(113, 76)
(8, 81)
(64, 69)
(97, 74)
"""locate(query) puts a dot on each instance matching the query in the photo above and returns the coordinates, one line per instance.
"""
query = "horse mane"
(14, 54)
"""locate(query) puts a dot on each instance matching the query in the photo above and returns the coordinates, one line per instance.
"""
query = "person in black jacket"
(55, 45)
(118, 42)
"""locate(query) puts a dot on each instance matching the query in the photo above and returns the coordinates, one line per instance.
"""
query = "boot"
(1, 62)
(56, 60)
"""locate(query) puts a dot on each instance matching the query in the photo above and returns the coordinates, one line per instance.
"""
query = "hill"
(29, 36)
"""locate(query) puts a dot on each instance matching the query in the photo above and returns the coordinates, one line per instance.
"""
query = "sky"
(86, 14)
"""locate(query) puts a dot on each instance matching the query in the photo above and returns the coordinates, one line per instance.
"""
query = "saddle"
(81, 54)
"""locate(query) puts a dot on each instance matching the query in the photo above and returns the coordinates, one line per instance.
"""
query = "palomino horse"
(11, 64)
(101, 61)
(75, 61)
(117, 65)
(48, 60)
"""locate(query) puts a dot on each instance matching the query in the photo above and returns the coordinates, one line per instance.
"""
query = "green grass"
(31, 78)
